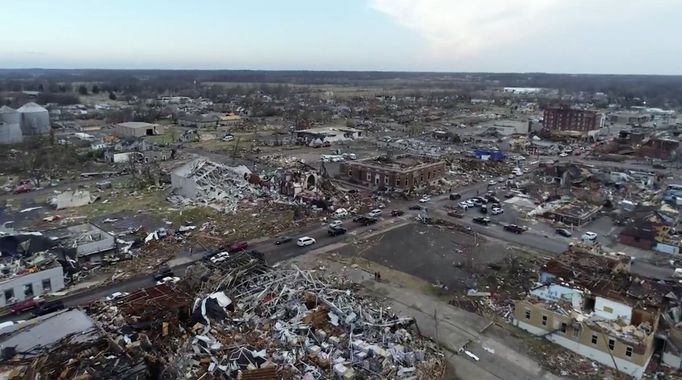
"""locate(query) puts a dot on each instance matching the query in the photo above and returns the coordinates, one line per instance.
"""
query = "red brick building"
(402, 172)
(570, 119)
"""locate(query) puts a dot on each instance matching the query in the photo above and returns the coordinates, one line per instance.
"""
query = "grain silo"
(35, 120)
(10, 126)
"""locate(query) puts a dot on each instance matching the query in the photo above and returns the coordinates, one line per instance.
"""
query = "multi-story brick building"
(401, 172)
(571, 119)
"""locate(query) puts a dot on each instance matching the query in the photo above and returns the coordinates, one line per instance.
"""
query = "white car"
(589, 235)
(470, 203)
(335, 223)
(497, 211)
(341, 213)
(463, 204)
(116, 295)
(220, 257)
(305, 241)
(424, 199)
(492, 182)
(228, 138)
(168, 280)
(374, 213)
(564, 154)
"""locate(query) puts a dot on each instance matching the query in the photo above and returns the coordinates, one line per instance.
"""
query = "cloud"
(464, 28)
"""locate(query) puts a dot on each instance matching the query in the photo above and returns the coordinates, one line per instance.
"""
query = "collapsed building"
(588, 304)
(235, 319)
(214, 185)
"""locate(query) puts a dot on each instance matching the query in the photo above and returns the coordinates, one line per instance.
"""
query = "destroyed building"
(85, 243)
(215, 185)
(237, 319)
(400, 172)
(587, 304)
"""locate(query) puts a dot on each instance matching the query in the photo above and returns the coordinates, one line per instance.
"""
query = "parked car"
(335, 231)
(48, 307)
(481, 220)
(305, 241)
(476, 201)
(425, 199)
(283, 239)
(455, 214)
(25, 305)
(463, 205)
(374, 213)
(455, 196)
(237, 246)
(24, 186)
(589, 235)
(340, 213)
(365, 220)
(397, 212)
(220, 257)
(563, 232)
(496, 210)
(484, 209)
(514, 228)
(492, 182)
(168, 280)
(415, 207)
(163, 272)
(228, 138)
(335, 223)
(116, 295)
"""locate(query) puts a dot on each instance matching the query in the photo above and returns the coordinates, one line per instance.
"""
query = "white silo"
(35, 120)
(10, 126)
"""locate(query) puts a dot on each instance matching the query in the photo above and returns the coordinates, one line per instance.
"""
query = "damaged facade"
(585, 303)
(401, 172)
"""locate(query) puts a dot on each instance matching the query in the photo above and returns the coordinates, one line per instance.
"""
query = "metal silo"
(35, 120)
(10, 126)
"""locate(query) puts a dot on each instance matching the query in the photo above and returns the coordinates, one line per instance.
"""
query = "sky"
(559, 36)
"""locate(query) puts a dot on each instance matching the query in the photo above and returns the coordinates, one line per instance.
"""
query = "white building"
(31, 285)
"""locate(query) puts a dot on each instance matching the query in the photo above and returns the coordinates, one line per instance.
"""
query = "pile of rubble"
(298, 324)
(237, 319)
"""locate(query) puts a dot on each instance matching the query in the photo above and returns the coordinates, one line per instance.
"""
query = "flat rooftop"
(398, 162)
(136, 124)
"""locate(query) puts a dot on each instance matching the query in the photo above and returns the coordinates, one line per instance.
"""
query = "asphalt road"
(273, 253)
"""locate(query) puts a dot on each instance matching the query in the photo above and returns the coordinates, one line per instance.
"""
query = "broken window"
(594, 339)
(369, 176)
(527, 314)
(628, 351)
(397, 181)
(28, 290)
(386, 180)
(9, 295)
(47, 285)
(612, 344)
(563, 327)
(544, 320)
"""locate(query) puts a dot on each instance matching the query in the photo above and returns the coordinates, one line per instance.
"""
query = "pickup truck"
(514, 228)
(25, 305)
